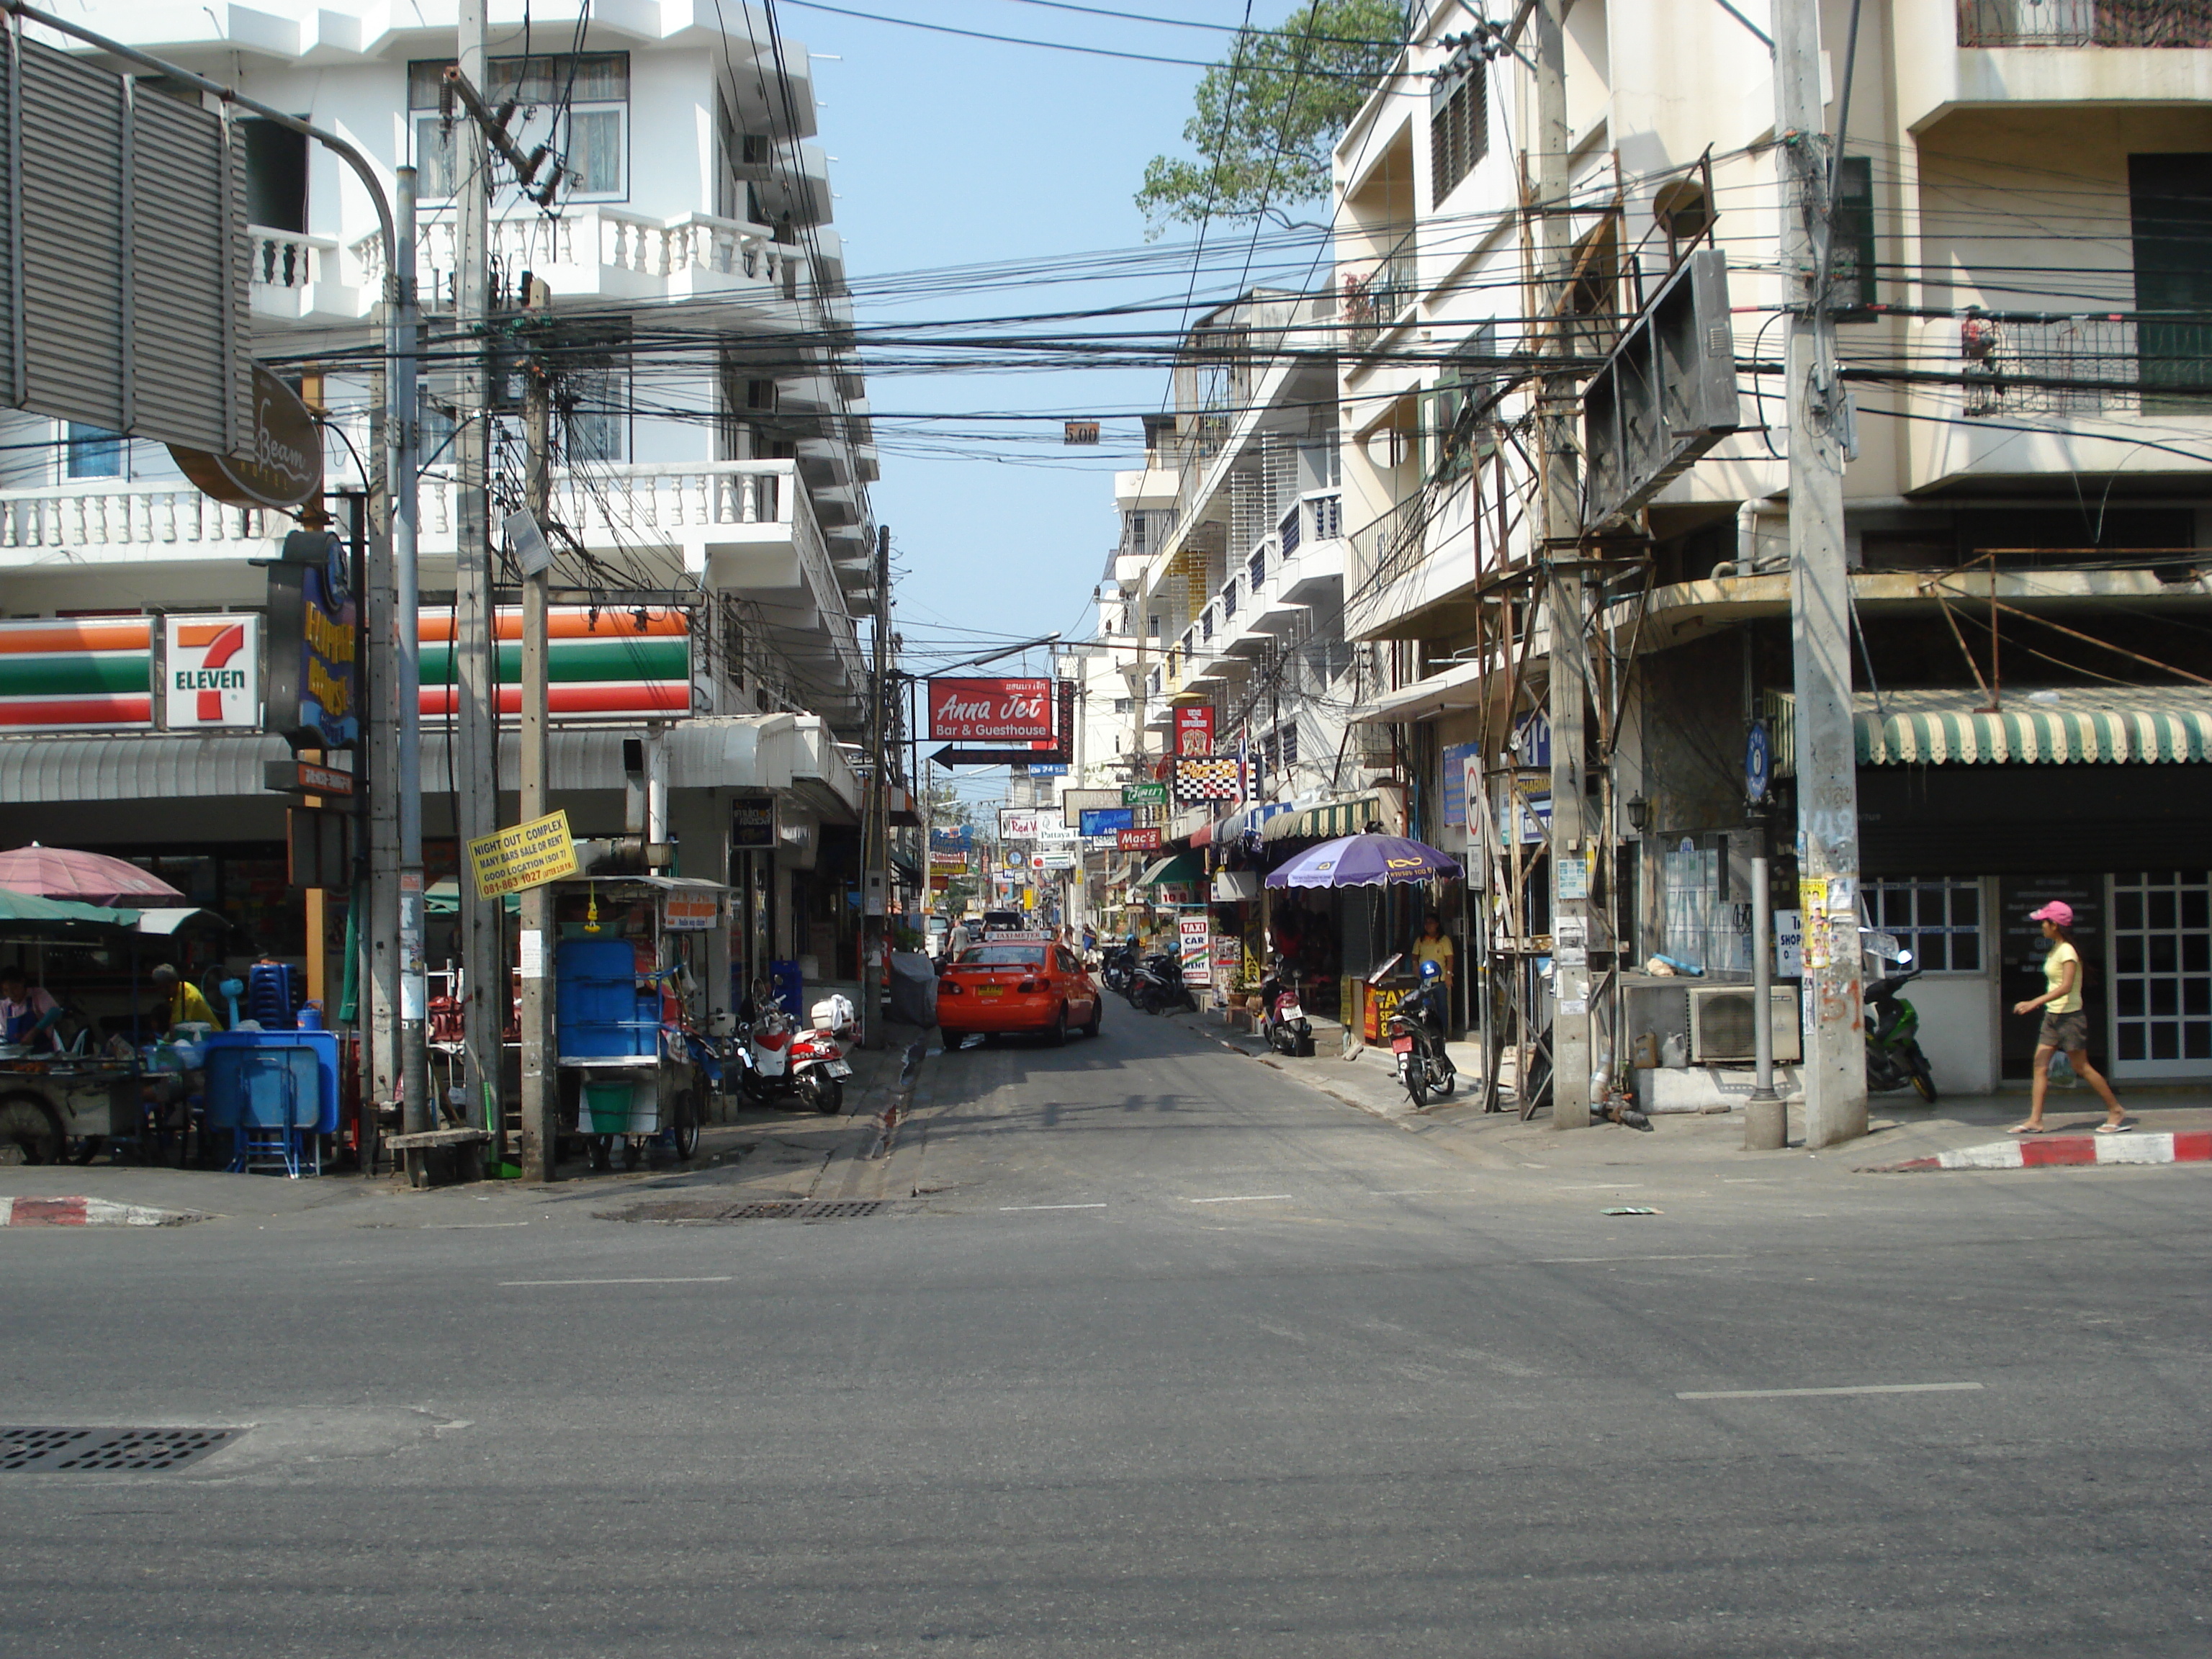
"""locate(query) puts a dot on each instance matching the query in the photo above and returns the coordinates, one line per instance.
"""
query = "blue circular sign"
(1757, 762)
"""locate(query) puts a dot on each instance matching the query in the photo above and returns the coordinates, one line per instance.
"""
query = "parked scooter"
(1158, 988)
(1283, 1019)
(1416, 1039)
(776, 1060)
(1117, 968)
(1894, 1059)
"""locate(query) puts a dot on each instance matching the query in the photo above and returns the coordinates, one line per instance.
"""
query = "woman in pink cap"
(2065, 1026)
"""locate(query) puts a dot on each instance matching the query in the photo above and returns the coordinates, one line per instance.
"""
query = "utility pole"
(540, 1090)
(400, 906)
(1560, 487)
(1819, 598)
(875, 838)
(475, 752)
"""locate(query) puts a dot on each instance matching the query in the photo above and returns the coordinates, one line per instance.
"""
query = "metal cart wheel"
(684, 1129)
(28, 1123)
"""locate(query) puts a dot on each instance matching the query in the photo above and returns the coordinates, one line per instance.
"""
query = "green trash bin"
(606, 1107)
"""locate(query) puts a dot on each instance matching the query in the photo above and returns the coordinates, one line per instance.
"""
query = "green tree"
(1269, 114)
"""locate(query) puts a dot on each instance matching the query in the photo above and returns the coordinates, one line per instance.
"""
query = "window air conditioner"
(1720, 1029)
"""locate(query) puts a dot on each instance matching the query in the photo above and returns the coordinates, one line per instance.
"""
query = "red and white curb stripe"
(87, 1213)
(2051, 1152)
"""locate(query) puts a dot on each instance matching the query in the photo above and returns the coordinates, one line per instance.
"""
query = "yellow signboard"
(528, 855)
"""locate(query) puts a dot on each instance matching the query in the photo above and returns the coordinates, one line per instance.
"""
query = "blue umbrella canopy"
(1365, 860)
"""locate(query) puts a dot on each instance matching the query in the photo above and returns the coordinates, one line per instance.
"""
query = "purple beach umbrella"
(1365, 860)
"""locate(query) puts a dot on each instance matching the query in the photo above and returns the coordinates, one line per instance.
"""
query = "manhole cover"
(143, 1451)
(709, 1209)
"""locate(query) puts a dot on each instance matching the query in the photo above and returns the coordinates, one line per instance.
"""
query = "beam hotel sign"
(991, 711)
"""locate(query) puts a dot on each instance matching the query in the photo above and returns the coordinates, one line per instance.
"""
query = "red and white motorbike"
(777, 1059)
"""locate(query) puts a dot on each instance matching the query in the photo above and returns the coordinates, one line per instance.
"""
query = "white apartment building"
(719, 450)
(2024, 212)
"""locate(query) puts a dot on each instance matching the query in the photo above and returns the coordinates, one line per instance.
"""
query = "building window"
(2170, 208)
(1459, 127)
(1852, 255)
(594, 409)
(2162, 969)
(91, 452)
(1125, 705)
(1938, 918)
(577, 105)
(1289, 745)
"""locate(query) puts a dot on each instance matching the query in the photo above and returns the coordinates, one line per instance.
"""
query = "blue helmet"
(1432, 970)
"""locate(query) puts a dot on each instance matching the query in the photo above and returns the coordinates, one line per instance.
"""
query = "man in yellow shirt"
(1433, 945)
(181, 1001)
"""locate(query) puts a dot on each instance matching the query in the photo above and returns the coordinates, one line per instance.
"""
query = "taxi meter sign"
(526, 855)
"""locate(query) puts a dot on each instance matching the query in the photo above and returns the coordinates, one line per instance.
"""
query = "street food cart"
(633, 1062)
(77, 1097)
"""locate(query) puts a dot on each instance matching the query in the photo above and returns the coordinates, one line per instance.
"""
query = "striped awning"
(1328, 821)
(2132, 726)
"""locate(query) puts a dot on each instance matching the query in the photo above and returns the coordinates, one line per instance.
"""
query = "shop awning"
(1248, 818)
(1457, 688)
(1331, 819)
(2108, 726)
(1180, 867)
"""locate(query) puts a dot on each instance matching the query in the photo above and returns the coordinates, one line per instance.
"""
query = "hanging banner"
(1194, 730)
(991, 711)
(752, 824)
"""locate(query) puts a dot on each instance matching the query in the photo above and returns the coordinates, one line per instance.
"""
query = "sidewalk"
(1901, 1127)
(757, 1151)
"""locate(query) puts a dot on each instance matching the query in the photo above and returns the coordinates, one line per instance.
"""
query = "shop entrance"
(2161, 969)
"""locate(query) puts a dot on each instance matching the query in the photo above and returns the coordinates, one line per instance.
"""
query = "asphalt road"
(1168, 1356)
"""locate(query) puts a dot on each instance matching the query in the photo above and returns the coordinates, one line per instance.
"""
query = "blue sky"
(954, 151)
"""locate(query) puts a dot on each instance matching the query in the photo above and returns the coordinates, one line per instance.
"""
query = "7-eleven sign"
(211, 671)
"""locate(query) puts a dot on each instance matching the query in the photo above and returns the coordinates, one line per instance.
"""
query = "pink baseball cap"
(2057, 910)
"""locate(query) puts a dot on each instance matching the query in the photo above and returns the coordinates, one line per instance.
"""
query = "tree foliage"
(1267, 115)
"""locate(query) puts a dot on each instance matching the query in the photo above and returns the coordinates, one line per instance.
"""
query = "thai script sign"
(1194, 730)
(1144, 794)
(970, 711)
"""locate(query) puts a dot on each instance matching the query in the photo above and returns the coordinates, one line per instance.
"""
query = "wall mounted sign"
(1194, 730)
(313, 650)
(752, 824)
(991, 711)
(211, 671)
(282, 464)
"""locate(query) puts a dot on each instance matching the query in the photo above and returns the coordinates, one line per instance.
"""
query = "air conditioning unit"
(1720, 1029)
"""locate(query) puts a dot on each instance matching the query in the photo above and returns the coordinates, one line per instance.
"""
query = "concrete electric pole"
(540, 1090)
(475, 752)
(1560, 486)
(1820, 596)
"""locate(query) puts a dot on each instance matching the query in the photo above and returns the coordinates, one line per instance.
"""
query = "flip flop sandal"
(2027, 1129)
(2115, 1128)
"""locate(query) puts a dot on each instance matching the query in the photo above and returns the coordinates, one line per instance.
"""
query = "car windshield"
(1001, 956)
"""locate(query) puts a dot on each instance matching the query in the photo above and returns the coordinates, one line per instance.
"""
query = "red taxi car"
(1017, 983)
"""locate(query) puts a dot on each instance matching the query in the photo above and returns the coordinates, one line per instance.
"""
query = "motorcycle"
(1116, 968)
(1283, 1019)
(778, 1060)
(1416, 1043)
(1894, 1059)
(1158, 988)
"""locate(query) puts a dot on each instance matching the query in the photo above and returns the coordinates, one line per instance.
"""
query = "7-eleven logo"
(213, 674)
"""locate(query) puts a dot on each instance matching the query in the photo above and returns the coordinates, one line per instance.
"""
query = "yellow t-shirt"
(2054, 975)
(1438, 950)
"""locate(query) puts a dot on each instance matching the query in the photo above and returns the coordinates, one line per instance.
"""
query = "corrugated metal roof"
(753, 752)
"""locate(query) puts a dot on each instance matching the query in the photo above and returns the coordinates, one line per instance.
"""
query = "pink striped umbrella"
(92, 877)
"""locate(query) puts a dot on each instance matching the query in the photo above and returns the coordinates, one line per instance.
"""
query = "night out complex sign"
(991, 711)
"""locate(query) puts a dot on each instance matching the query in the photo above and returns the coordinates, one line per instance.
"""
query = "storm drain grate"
(695, 1209)
(143, 1451)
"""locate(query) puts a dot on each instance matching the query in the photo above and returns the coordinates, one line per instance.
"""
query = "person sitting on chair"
(28, 1014)
(181, 1002)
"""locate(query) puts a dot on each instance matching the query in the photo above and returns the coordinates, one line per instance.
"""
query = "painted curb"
(2056, 1151)
(87, 1212)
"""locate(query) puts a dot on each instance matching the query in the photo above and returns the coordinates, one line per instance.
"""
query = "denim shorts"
(2068, 1033)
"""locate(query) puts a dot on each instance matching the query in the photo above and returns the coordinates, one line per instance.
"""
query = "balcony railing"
(286, 260)
(605, 238)
(2085, 23)
(1375, 297)
(2085, 365)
